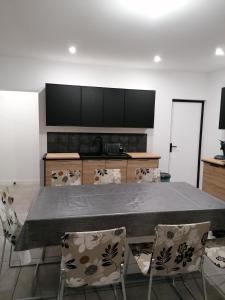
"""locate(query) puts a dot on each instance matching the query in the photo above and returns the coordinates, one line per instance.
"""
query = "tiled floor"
(136, 285)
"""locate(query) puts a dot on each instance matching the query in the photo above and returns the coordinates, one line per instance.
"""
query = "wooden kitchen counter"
(144, 155)
(71, 161)
(214, 177)
(62, 156)
(214, 161)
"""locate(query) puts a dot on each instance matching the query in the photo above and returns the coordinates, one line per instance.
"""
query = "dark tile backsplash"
(83, 142)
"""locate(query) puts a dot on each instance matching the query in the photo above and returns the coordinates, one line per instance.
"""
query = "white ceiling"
(106, 32)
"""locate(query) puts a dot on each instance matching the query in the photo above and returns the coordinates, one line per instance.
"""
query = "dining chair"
(177, 250)
(106, 176)
(215, 251)
(11, 231)
(93, 258)
(147, 175)
(65, 177)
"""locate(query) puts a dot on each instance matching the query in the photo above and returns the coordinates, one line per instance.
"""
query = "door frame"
(200, 132)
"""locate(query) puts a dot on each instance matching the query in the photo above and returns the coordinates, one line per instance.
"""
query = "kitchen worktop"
(132, 155)
(214, 161)
(62, 156)
(139, 155)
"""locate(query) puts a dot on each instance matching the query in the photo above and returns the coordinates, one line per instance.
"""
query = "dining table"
(138, 207)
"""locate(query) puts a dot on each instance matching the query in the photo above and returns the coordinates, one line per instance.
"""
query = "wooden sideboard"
(72, 161)
(214, 177)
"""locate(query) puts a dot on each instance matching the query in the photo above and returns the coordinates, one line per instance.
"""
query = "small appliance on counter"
(113, 148)
(222, 147)
(106, 151)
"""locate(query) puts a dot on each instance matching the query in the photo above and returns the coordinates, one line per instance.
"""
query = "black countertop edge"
(99, 157)
(94, 157)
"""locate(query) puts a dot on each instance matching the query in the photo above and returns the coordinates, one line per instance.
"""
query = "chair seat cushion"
(216, 255)
(142, 253)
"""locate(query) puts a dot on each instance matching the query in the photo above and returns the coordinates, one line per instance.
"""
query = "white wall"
(19, 137)
(31, 75)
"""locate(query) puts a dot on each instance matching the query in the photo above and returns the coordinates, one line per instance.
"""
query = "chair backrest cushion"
(65, 177)
(147, 175)
(10, 223)
(179, 248)
(93, 258)
(106, 176)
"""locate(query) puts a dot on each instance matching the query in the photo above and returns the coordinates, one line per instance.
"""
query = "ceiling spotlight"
(219, 52)
(72, 50)
(157, 59)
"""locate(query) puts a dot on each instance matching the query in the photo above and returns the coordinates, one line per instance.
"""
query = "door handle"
(172, 146)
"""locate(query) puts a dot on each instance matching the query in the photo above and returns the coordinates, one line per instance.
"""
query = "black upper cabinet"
(63, 103)
(139, 108)
(68, 105)
(222, 110)
(92, 106)
(113, 112)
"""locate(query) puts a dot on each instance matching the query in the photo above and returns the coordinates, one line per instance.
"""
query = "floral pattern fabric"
(216, 255)
(177, 249)
(10, 223)
(106, 176)
(147, 175)
(65, 177)
(93, 258)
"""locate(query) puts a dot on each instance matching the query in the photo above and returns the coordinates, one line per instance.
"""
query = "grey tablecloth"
(138, 207)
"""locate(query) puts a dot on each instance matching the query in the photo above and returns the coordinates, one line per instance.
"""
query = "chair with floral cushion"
(10, 223)
(65, 177)
(215, 249)
(147, 175)
(106, 176)
(178, 249)
(11, 229)
(93, 259)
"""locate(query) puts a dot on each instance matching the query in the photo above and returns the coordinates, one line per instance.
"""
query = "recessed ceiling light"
(154, 8)
(157, 59)
(219, 52)
(72, 50)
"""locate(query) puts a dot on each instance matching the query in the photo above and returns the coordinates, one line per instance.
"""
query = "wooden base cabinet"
(214, 180)
(89, 167)
(118, 164)
(133, 164)
(60, 165)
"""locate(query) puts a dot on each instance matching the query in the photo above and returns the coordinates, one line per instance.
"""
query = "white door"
(185, 141)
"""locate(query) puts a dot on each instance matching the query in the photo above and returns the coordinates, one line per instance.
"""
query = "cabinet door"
(118, 164)
(60, 165)
(139, 108)
(89, 167)
(63, 104)
(113, 114)
(133, 164)
(213, 180)
(92, 106)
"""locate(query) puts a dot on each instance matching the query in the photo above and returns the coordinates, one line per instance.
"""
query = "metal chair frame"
(20, 266)
(122, 274)
(182, 277)
(173, 277)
